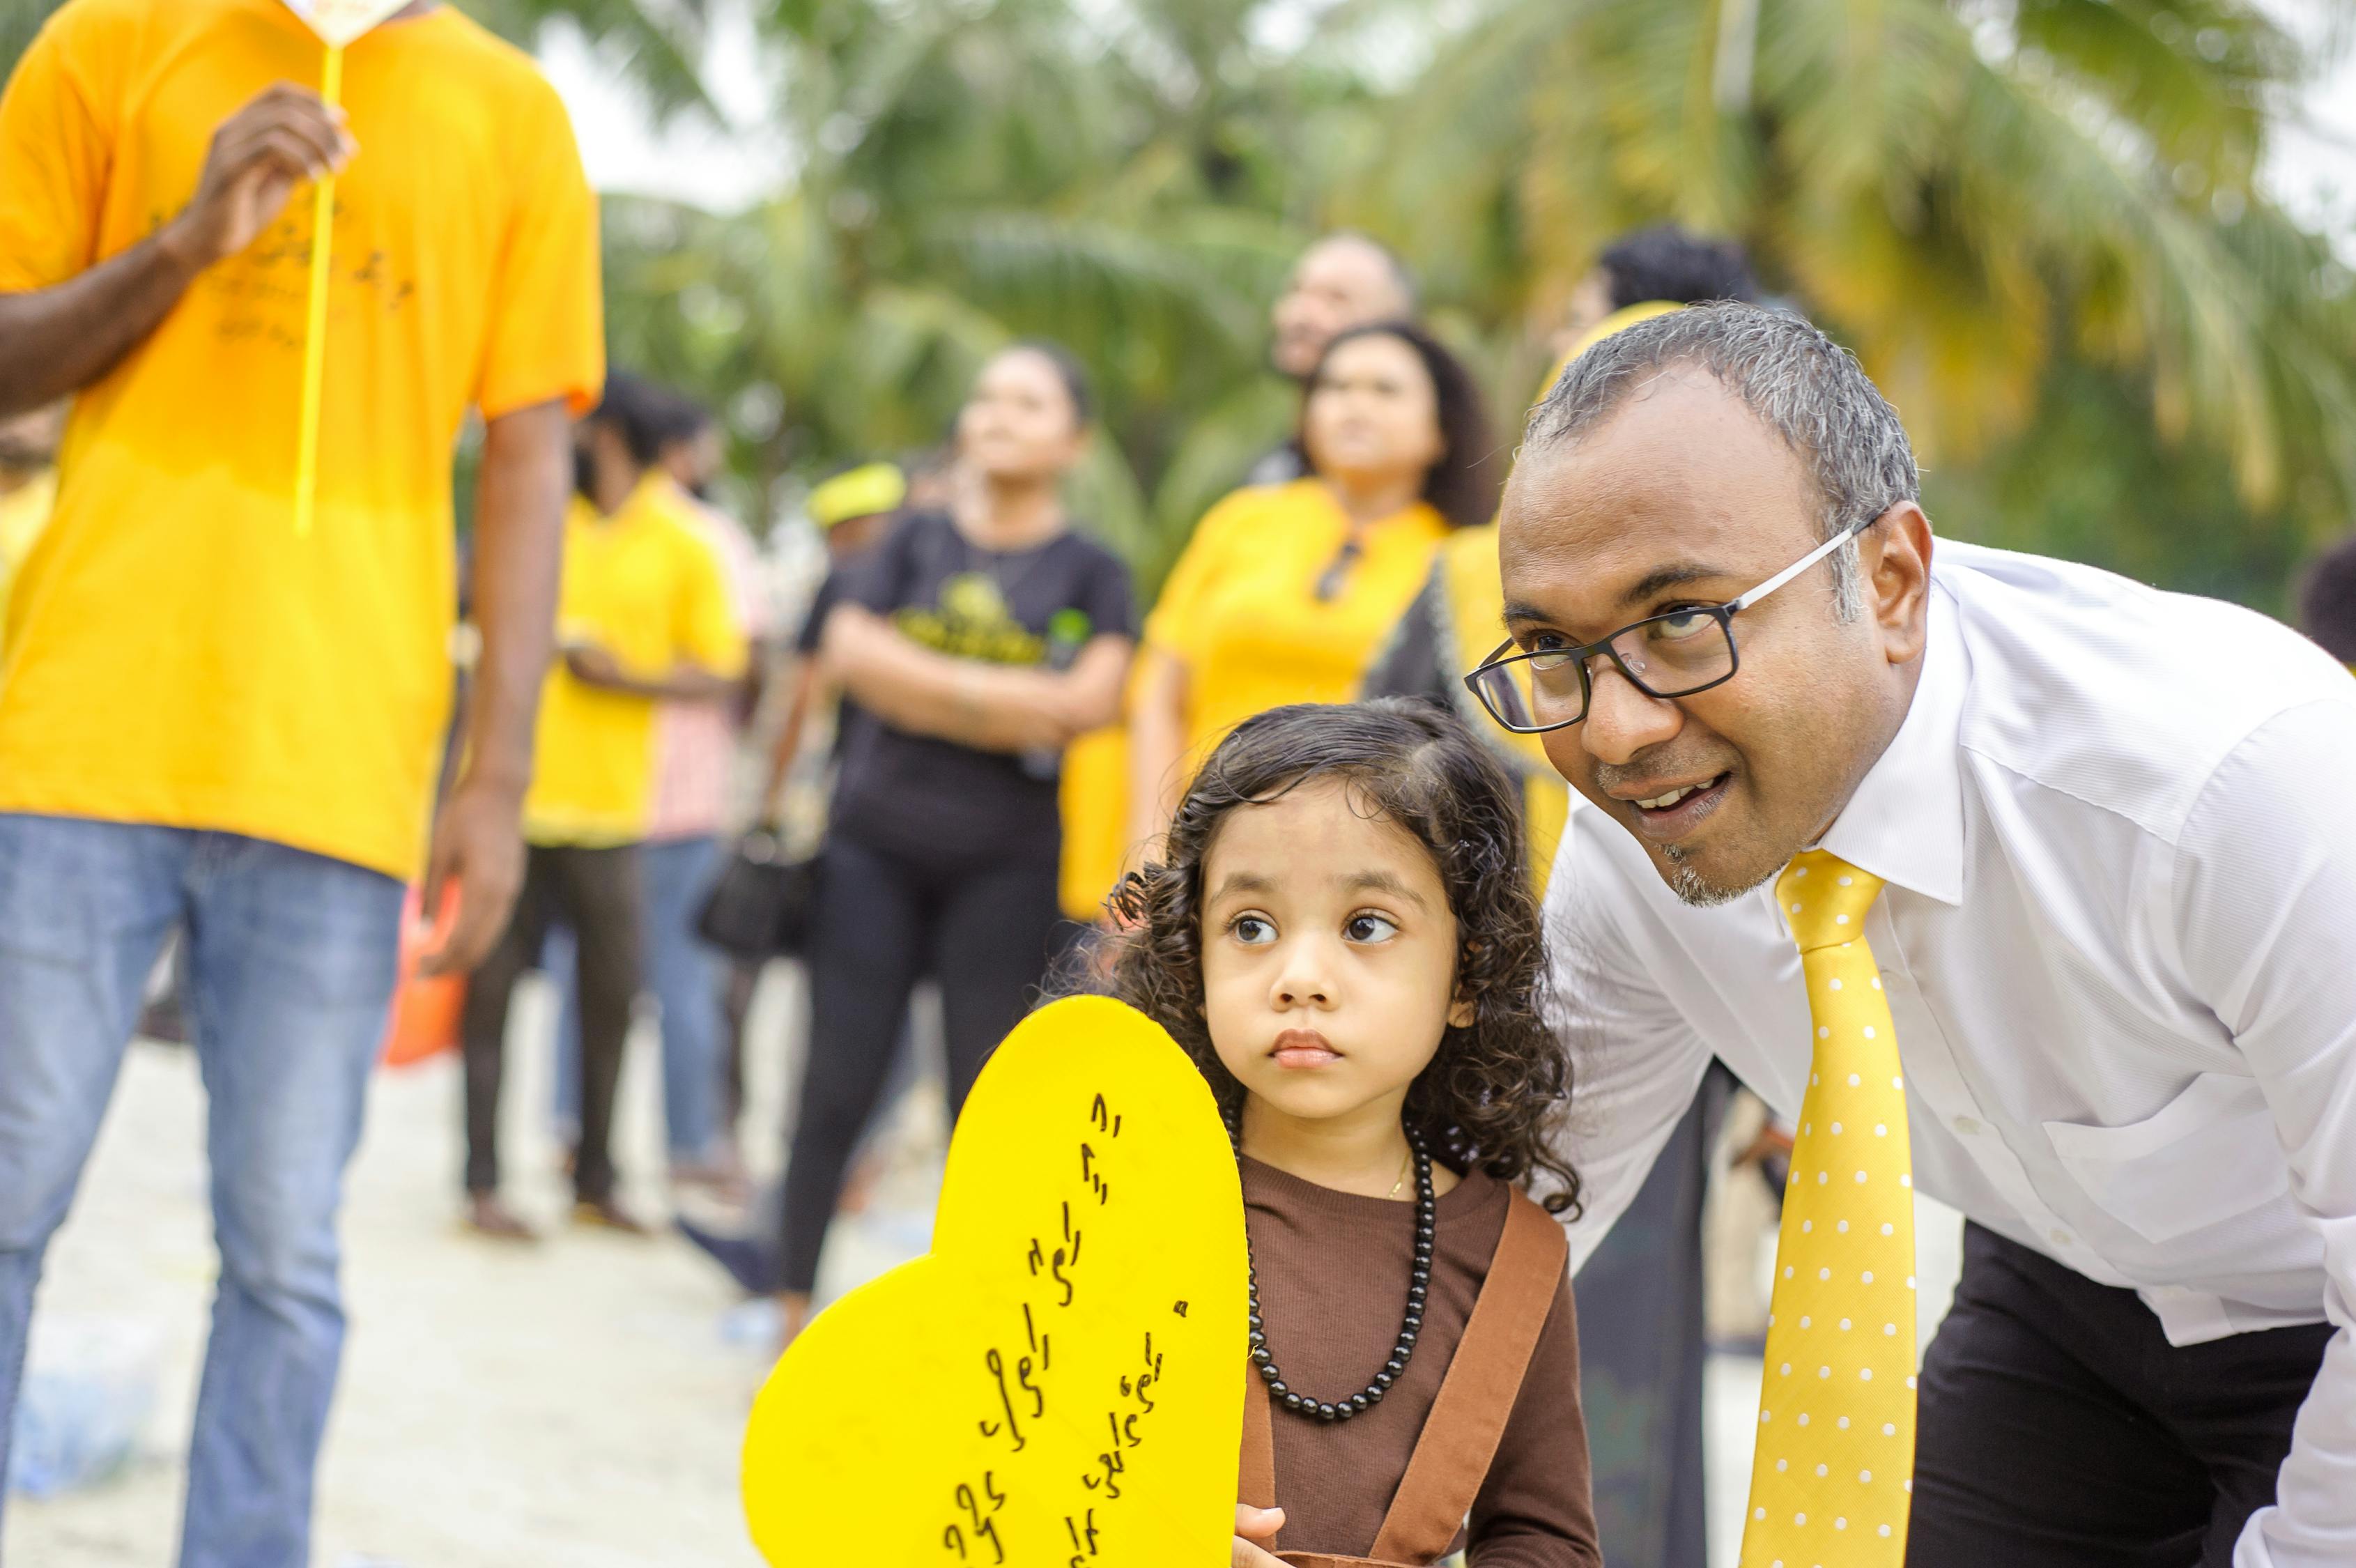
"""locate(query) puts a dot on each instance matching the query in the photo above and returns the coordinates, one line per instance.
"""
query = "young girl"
(1342, 937)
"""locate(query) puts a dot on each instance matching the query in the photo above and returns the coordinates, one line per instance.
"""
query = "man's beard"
(1693, 890)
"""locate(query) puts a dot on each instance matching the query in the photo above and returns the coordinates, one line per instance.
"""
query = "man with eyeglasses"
(2102, 897)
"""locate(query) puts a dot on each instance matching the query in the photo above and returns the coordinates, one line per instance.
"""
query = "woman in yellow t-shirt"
(1286, 592)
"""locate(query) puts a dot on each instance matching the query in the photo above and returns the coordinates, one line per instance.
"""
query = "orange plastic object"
(425, 1019)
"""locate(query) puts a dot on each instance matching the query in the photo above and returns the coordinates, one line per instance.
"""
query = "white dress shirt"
(2119, 944)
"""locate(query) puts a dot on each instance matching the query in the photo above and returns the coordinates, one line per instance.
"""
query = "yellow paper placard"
(1060, 1380)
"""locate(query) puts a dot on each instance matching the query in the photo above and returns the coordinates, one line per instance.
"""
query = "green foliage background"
(2034, 220)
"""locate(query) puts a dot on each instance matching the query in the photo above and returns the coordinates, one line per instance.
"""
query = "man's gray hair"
(1801, 385)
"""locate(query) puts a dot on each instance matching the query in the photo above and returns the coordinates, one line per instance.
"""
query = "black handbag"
(760, 907)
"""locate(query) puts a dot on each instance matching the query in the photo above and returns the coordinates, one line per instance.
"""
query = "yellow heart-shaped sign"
(1060, 1380)
(338, 22)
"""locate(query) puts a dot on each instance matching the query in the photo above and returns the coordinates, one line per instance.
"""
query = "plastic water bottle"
(88, 1389)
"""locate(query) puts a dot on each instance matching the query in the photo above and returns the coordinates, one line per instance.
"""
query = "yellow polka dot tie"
(1834, 1469)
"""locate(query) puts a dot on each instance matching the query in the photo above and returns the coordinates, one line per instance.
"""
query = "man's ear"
(1896, 560)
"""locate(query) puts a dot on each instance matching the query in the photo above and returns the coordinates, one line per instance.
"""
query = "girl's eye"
(1251, 930)
(1366, 927)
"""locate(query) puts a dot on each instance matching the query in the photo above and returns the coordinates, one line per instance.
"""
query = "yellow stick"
(314, 340)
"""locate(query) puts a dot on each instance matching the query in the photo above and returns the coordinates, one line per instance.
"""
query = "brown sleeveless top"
(1485, 1424)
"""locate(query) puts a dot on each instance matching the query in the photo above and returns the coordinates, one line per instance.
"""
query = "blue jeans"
(290, 965)
(687, 976)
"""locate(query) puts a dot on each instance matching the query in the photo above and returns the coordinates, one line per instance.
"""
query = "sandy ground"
(577, 1403)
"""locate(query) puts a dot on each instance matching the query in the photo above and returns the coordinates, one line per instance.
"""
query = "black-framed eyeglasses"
(1674, 654)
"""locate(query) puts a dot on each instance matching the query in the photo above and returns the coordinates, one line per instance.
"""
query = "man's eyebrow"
(1383, 882)
(1652, 582)
(1520, 612)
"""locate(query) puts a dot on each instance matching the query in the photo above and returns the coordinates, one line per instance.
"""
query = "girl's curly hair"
(1496, 1092)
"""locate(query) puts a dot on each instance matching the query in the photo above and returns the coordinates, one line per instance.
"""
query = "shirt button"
(1968, 1126)
(2062, 1239)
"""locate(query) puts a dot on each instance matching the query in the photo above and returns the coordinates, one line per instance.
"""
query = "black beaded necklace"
(1418, 1286)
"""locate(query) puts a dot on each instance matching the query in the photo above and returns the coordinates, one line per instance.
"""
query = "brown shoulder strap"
(1468, 1417)
(1255, 1480)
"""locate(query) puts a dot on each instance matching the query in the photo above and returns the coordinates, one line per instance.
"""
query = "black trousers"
(1642, 1353)
(594, 892)
(881, 921)
(2059, 1429)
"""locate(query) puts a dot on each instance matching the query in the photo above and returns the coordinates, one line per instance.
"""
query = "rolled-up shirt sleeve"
(2263, 907)
(1635, 1061)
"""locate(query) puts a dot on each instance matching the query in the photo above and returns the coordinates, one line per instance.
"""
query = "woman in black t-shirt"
(972, 645)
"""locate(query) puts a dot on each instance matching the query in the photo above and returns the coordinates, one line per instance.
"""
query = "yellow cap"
(858, 492)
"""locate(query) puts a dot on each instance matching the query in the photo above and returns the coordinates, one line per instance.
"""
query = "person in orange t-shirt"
(209, 721)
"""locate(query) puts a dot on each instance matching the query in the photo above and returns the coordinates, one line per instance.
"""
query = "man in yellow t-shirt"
(647, 614)
(210, 722)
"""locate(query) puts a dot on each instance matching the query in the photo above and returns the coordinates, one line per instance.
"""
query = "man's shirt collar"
(1905, 823)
